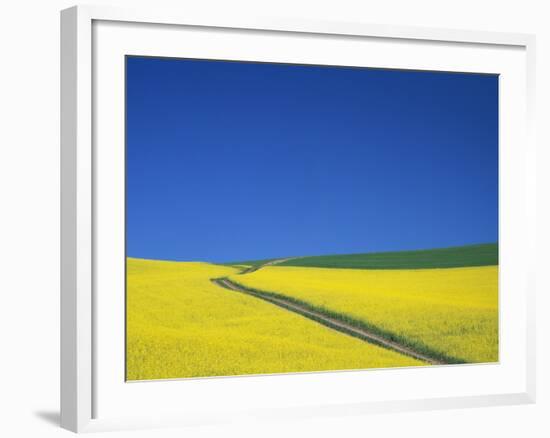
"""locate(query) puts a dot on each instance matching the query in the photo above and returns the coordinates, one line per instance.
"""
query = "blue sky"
(229, 161)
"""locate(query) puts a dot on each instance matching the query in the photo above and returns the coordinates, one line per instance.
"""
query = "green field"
(453, 257)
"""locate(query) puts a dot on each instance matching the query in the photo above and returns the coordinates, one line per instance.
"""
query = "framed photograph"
(276, 218)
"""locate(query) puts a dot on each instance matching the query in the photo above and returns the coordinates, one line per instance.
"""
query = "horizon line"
(317, 255)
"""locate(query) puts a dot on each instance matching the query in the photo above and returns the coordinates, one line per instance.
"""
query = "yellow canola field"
(179, 324)
(450, 312)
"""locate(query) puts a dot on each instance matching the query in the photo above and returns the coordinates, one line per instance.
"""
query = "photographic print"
(285, 218)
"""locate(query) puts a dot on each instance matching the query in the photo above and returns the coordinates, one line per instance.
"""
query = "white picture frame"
(81, 256)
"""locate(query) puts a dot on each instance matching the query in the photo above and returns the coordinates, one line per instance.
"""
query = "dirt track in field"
(328, 321)
(270, 263)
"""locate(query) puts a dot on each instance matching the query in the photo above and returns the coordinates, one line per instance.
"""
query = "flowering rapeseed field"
(180, 324)
(449, 313)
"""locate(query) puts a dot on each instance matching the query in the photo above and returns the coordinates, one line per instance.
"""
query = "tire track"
(254, 268)
(328, 321)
